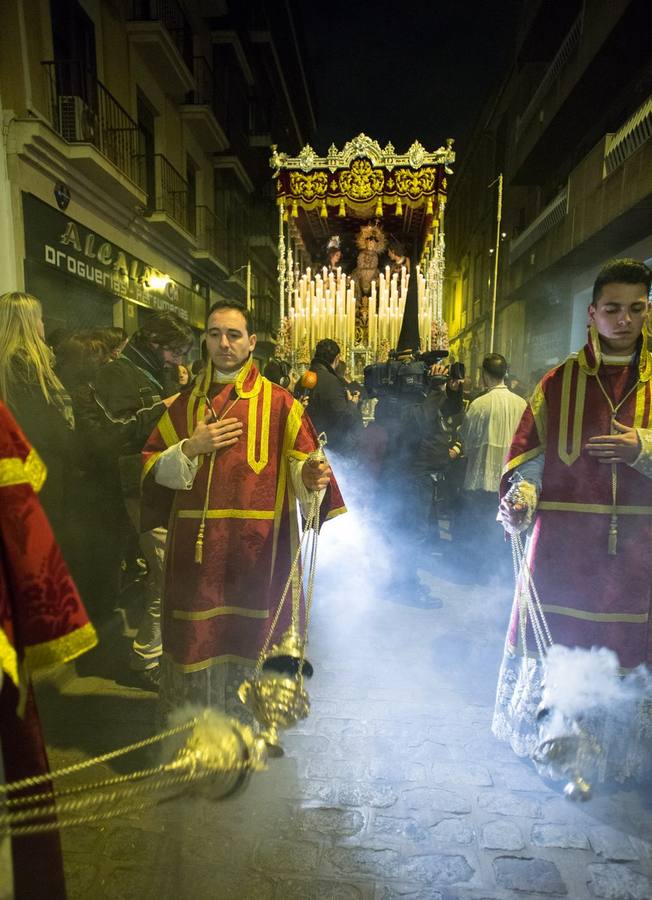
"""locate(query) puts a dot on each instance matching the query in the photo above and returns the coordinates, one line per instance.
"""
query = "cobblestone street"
(392, 788)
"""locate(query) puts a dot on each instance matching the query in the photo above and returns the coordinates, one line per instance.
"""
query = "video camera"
(407, 376)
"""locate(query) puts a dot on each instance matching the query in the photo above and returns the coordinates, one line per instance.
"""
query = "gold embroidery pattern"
(595, 617)
(8, 658)
(415, 184)
(570, 456)
(361, 181)
(149, 463)
(61, 649)
(292, 427)
(167, 430)
(30, 471)
(642, 393)
(257, 465)
(226, 513)
(520, 459)
(540, 412)
(204, 614)
(213, 661)
(309, 187)
(596, 508)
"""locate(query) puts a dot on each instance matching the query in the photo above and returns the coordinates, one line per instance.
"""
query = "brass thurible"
(276, 694)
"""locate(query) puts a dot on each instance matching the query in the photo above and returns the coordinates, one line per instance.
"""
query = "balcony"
(170, 208)
(211, 248)
(204, 109)
(536, 105)
(636, 131)
(162, 33)
(552, 215)
(105, 143)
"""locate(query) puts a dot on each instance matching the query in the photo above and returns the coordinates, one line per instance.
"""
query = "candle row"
(324, 306)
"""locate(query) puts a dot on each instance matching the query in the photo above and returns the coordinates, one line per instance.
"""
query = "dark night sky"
(404, 71)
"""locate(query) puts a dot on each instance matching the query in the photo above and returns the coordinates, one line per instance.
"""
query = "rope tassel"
(199, 545)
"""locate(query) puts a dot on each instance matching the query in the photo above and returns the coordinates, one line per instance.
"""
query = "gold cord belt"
(612, 543)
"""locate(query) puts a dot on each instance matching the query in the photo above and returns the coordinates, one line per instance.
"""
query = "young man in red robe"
(42, 623)
(225, 467)
(584, 450)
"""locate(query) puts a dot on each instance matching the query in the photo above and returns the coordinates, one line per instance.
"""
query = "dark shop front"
(79, 276)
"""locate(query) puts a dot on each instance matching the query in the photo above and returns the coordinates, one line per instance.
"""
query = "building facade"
(134, 167)
(569, 130)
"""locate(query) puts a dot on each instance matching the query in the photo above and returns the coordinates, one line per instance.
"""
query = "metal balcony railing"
(553, 213)
(206, 92)
(629, 137)
(172, 194)
(172, 17)
(211, 234)
(566, 50)
(83, 111)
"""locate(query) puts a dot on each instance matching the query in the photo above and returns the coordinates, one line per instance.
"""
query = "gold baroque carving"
(363, 147)
(361, 181)
(415, 183)
(308, 187)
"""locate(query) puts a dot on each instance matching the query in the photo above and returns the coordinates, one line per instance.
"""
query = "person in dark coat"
(131, 398)
(331, 407)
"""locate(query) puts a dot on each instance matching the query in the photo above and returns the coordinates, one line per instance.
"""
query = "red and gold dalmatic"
(42, 623)
(595, 587)
(219, 610)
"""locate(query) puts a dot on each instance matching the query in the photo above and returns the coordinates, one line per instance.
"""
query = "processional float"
(358, 199)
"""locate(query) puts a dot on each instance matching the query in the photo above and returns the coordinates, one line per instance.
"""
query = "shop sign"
(66, 245)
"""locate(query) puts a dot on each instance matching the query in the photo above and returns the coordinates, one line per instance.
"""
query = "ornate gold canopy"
(362, 177)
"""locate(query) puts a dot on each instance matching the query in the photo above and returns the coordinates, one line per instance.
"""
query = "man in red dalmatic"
(42, 623)
(225, 467)
(584, 450)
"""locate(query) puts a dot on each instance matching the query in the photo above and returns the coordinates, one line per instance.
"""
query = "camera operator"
(436, 421)
(421, 407)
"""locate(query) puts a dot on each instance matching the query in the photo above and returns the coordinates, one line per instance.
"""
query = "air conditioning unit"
(77, 121)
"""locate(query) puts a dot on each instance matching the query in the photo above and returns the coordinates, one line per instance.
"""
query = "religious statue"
(371, 242)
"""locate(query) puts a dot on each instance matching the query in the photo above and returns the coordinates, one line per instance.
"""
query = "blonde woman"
(31, 389)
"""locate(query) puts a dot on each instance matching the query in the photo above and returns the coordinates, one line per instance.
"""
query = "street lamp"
(496, 253)
(231, 277)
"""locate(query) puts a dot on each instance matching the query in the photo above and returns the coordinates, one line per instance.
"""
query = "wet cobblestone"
(392, 789)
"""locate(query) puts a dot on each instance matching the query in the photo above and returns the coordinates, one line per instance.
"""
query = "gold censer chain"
(612, 543)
